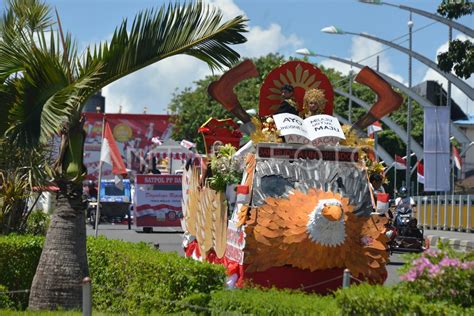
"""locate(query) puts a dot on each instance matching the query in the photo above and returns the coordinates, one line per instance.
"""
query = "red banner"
(133, 134)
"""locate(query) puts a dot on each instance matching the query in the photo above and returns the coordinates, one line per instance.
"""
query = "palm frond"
(194, 29)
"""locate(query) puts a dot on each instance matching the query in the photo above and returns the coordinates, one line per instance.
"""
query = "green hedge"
(126, 277)
(271, 302)
(379, 300)
(19, 256)
(136, 278)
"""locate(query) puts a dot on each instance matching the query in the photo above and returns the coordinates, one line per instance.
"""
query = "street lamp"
(460, 136)
(455, 25)
(463, 86)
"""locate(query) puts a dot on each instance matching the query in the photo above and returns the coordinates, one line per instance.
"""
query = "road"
(169, 240)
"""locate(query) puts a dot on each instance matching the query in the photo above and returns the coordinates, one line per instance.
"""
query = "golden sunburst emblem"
(302, 76)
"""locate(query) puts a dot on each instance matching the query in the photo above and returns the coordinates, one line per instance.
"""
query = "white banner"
(436, 149)
(158, 200)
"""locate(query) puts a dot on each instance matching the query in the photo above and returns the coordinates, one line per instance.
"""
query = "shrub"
(378, 300)
(138, 279)
(270, 302)
(442, 275)
(19, 257)
(5, 300)
(37, 223)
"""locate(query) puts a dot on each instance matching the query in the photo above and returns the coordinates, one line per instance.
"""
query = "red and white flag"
(400, 163)
(374, 128)
(382, 202)
(457, 158)
(420, 172)
(110, 154)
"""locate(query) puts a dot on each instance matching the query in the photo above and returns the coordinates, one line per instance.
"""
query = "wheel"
(92, 218)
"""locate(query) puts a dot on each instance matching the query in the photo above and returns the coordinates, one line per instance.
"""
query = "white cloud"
(458, 96)
(153, 86)
(261, 41)
(361, 48)
(228, 8)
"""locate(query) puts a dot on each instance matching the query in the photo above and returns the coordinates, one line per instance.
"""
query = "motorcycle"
(404, 234)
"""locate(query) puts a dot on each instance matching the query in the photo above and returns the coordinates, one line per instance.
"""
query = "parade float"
(286, 211)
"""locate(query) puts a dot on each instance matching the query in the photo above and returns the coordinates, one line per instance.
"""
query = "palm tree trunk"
(63, 262)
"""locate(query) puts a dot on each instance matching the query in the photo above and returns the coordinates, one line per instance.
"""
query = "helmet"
(403, 192)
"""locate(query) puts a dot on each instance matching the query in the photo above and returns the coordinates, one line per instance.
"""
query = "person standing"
(288, 105)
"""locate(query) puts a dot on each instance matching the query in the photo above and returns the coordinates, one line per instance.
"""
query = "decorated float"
(282, 211)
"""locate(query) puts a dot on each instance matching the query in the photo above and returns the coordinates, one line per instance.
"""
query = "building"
(434, 92)
(96, 103)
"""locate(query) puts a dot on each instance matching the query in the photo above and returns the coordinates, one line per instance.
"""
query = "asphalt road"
(169, 240)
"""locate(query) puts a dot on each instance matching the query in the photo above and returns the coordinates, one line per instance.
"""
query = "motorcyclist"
(404, 201)
(404, 210)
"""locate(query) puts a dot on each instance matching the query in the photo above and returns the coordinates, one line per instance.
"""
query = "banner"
(158, 200)
(316, 126)
(436, 148)
(133, 134)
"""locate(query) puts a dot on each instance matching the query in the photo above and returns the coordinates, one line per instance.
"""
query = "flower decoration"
(225, 168)
(204, 130)
(265, 131)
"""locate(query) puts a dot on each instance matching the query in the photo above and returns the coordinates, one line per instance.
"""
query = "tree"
(460, 55)
(44, 88)
(20, 172)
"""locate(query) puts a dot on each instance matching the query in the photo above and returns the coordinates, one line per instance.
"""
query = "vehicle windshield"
(112, 190)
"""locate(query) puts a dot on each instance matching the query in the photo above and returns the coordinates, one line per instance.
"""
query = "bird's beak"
(332, 212)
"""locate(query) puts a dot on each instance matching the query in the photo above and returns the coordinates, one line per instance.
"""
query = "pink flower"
(449, 262)
(467, 265)
(431, 252)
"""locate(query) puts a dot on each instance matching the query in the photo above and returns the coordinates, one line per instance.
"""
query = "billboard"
(133, 134)
(157, 200)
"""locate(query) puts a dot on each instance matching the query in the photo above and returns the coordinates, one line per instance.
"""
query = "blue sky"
(274, 26)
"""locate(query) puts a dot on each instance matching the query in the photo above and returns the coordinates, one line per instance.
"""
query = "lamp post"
(455, 25)
(409, 106)
(463, 86)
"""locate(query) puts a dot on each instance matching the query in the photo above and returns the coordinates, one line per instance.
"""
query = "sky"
(275, 26)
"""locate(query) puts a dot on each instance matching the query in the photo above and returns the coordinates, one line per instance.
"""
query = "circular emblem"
(122, 133)
(171, 215)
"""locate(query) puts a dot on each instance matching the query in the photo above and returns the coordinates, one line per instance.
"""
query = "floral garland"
(225, 168)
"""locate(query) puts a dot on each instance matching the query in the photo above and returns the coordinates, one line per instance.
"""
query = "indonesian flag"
(457, 158)
(420, 172)
(110, 154)
(374, 128)
(382, 202)
(187, 144)
(400, 163)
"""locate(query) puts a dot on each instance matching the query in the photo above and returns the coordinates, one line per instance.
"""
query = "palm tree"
(45, 85)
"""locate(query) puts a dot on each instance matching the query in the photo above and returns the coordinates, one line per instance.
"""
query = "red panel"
(150, 221)
(293, 278)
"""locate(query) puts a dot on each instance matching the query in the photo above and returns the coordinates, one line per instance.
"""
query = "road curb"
(457, 244)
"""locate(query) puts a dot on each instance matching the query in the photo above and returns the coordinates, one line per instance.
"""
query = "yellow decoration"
(265, 131)
(316, 96)
(122, 132)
